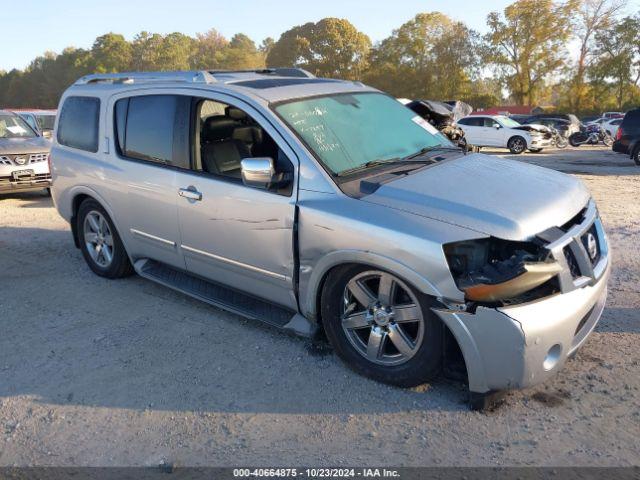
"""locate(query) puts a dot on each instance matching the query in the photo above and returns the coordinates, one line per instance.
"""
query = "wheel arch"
(311, 296)
(78, 196)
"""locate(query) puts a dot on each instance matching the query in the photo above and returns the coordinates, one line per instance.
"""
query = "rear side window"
(631, 122)
(472, 122)
(154, 128)
(78, 124)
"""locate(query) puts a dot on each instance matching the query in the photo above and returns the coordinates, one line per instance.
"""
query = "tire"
(535, 150)
(47, 192)
(517, 145)
(97, 235)
(573, 141)
(607, 140)
(562, 143)
(636, 155)
(419, 336)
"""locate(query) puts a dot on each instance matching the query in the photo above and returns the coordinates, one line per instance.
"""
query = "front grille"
(9, 181)
(574, 268)
(28, 158)
(591, 237)
(38, 157)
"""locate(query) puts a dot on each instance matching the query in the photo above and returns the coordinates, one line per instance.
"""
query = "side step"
(225, 298)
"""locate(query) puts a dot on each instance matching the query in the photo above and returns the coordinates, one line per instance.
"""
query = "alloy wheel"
(98, 238)
(382, 318)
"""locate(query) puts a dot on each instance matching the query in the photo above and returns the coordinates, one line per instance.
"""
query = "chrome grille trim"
(572, 240)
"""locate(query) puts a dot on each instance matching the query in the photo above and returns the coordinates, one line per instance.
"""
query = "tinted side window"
(631, 122)
(490, 122)
(472, 122)
(78, 124)
(156, 129)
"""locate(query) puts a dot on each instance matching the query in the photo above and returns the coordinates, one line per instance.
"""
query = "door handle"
(190, 193)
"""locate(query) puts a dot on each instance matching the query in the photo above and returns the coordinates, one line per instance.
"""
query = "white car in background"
(609, 124)
(503, 132)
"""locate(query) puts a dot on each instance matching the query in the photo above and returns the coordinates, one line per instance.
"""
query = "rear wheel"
(381, 327)
(636, 155)
(517, 145)
(100, 243)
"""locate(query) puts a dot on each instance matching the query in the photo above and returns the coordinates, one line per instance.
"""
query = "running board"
(225, 298)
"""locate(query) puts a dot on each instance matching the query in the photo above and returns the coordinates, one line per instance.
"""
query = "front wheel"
(381, 327)
(100, 243)
(517, 145)
(562, 142)
(575, 140)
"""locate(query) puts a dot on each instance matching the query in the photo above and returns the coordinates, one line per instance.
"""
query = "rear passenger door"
(151, 142)
(233, 234)
(472, 127)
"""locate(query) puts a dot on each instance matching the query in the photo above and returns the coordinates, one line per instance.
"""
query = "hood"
(533, 127)
(15, 146)
(503, 198)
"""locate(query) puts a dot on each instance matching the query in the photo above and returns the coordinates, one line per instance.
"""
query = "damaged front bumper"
(517, 346)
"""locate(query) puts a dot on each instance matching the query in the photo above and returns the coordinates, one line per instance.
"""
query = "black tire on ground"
(47, 192)
(119, 266)
(535, 150)
(517, 145)
(573, 141)
(636, 155)
(425, 363)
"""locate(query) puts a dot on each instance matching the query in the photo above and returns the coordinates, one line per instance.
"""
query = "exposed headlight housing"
(493, 270)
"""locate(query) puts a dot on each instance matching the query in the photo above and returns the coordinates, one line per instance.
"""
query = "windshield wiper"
(432, 148)
(389, 161)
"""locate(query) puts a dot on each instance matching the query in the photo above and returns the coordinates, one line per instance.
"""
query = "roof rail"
(142, 77)
(279, 71)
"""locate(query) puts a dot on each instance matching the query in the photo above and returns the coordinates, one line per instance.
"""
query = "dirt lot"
(99, 372)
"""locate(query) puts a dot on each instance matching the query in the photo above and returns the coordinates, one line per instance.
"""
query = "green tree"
(430, 56)
(527, 44)
(332, 47)
(618, 59)
(592, 18)
(111, 53)
(209, 50)
(242, 54)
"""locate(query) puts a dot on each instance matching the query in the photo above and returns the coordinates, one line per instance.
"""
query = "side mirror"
(498, 126)
(258, 172)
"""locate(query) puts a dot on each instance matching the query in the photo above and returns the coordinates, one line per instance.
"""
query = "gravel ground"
(99, 372)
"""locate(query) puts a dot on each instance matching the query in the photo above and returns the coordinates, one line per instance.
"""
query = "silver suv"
(24, 156)
(316, 204)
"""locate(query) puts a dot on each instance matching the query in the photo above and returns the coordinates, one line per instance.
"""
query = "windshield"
(349, 131)
(12, 126)
(508, 122)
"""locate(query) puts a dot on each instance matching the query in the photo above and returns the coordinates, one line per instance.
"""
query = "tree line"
(522, 59)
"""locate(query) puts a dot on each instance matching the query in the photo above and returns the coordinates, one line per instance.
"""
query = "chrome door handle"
(191, 193)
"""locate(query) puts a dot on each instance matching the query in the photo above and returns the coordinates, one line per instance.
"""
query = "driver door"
(232, 234)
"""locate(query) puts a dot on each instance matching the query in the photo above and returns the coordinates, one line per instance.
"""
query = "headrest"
(235, 113)
(217, 128)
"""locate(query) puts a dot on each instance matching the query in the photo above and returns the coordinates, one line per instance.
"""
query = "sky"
(36, 26)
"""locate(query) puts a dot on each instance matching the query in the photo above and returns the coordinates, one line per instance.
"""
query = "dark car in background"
(574, 122)
(628, 136)
(562, 126)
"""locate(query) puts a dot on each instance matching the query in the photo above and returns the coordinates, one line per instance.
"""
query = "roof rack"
(279, 71)
(202, 76)
(142, 77)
